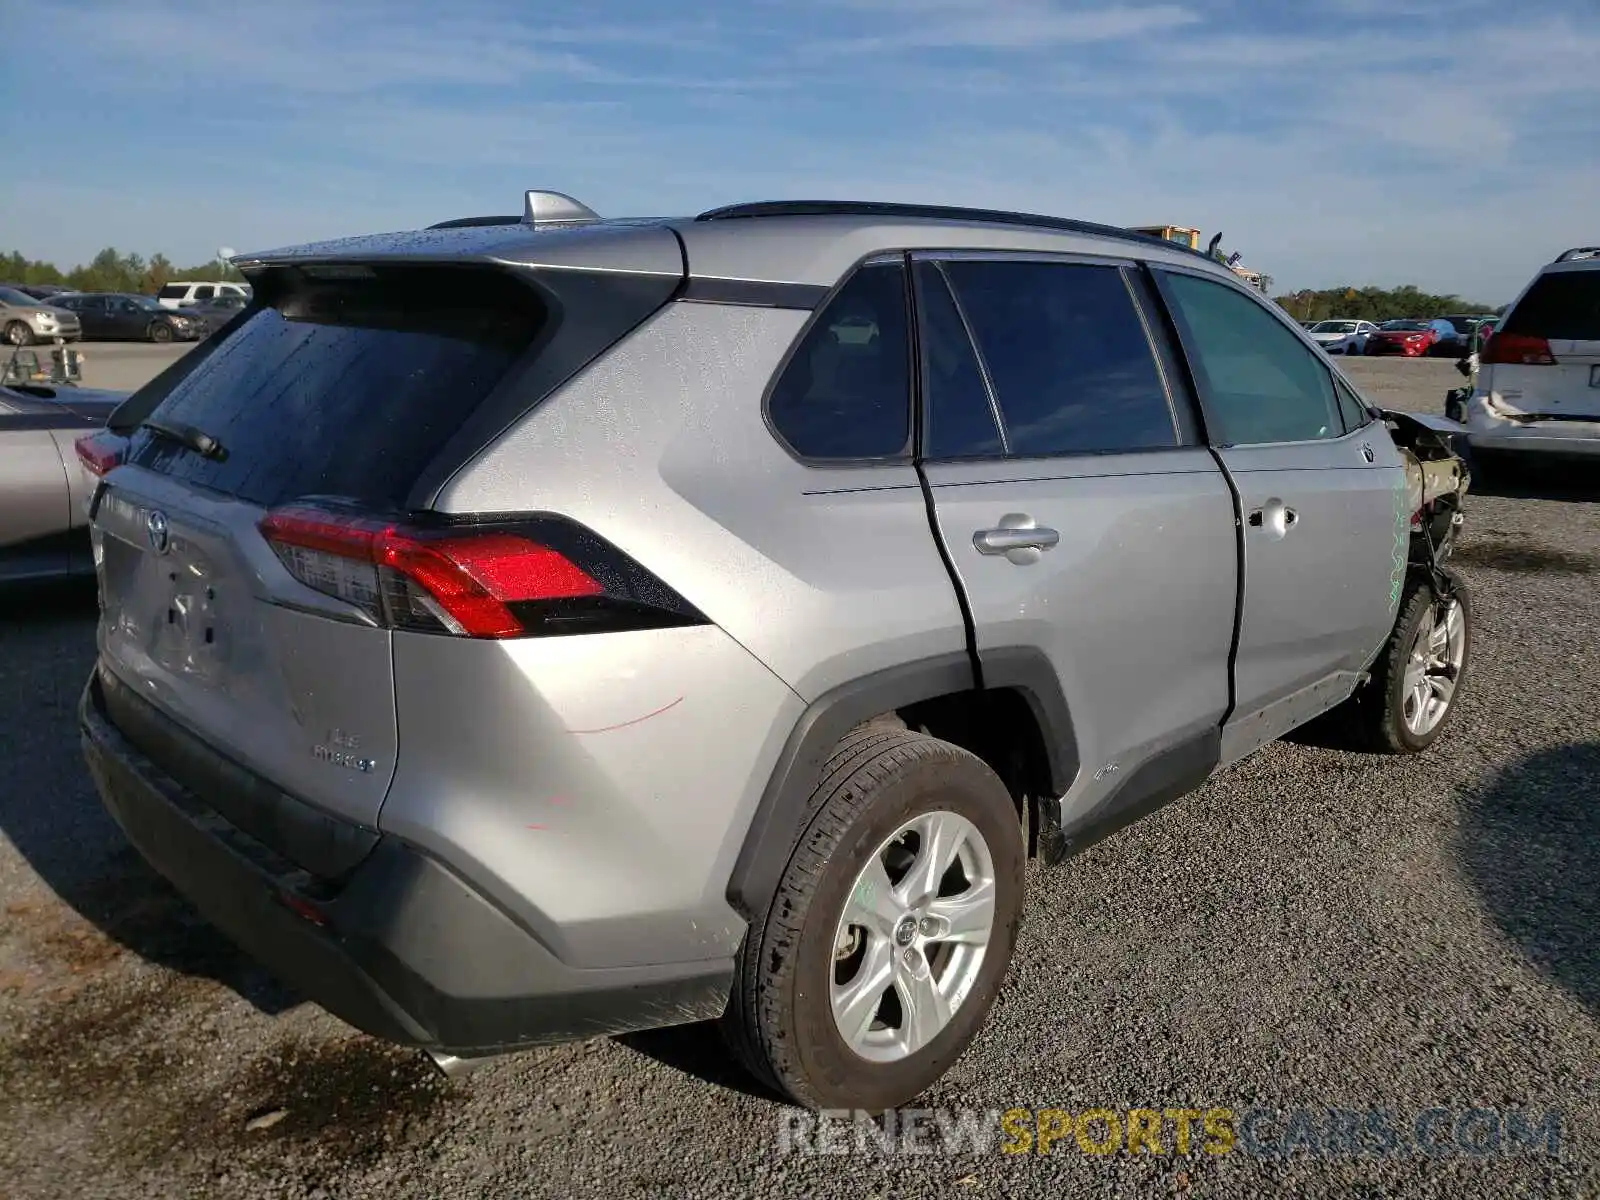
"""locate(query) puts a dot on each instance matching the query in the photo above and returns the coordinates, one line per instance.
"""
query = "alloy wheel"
(912, 937)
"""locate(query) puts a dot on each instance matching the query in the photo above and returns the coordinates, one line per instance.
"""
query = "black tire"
(18, 334)
(779, 1023)
(160, 332)
(1374, 718)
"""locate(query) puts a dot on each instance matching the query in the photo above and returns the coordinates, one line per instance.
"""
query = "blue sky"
(1453, 145)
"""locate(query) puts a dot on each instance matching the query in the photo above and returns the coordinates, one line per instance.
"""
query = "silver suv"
(540, 627)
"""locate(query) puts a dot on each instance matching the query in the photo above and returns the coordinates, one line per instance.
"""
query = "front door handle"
(1274, 518)
(1021, 539)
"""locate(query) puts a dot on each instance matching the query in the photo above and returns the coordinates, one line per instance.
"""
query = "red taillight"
(1519, 349)
(462, 581)
(303, 908)
(99, 452)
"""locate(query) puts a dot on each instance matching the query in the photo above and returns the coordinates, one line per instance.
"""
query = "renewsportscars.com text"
(1216, 1131)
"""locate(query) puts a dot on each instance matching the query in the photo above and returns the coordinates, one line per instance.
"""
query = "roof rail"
(470, 222)
(1579, 252)
(934, 212)
(538, 208)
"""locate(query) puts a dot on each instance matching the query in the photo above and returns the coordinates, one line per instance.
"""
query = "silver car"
(530, 629)
(44, 488)
(25, 320)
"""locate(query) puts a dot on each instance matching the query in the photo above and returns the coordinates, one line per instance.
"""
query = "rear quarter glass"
(346, 387)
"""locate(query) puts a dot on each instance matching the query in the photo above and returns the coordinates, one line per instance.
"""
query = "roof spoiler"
(539, 209)
(1577, 252)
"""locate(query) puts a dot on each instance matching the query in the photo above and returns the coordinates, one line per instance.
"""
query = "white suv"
(176, 295)
(1538, 385)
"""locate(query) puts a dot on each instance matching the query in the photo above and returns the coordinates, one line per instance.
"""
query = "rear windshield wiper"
(197, 440)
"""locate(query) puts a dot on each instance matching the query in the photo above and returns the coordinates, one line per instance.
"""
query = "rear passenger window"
(204, 292)
(1259, 382)
(1067, 355)
(846, 392)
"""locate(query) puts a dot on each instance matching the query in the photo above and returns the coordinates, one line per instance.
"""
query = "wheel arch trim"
(785, 807)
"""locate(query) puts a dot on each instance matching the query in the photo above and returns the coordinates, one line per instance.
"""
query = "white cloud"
(1454, 154)
(1006, 24)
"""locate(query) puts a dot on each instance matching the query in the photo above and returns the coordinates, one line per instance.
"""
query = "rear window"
(1564, 305)
(173, 291)
(346, 387)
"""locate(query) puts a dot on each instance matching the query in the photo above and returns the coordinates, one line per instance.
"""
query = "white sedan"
(1342, 336)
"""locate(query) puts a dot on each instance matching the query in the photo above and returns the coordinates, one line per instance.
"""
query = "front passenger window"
(1259, 383)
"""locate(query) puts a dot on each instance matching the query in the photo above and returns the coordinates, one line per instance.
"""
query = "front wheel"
(160, 331)
(892, 928)
(1418, 677)
(18, 334)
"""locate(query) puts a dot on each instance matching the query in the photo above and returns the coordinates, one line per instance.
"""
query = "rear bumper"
(1565, 439)
(399, 946)
(1536, 442)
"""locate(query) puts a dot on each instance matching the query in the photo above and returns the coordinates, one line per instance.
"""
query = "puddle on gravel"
(1523, 558)
(353, 1100)
(349, 1101)
(150, 1058)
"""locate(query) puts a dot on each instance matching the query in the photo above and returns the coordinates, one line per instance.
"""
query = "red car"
(1410, 338)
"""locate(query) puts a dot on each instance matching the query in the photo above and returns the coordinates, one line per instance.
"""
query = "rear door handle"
(1018, 537)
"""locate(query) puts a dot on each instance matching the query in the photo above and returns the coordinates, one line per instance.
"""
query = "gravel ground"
(1313, 930)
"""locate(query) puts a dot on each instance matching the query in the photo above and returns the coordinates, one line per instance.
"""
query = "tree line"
(1377, 304)
(112, 271)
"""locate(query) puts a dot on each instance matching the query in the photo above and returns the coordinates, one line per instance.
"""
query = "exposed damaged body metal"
(1437, 481)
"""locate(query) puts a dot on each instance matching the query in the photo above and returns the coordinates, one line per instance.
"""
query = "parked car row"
(1412, 338)
(180, 312)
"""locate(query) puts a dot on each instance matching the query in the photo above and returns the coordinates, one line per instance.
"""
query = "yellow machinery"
(1190, 238)
(1172, 233)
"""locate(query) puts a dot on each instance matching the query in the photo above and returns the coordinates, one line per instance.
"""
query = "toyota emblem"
(155, 525)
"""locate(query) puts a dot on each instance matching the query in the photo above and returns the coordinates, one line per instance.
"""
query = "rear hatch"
(342, 389)
(1544, 360)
